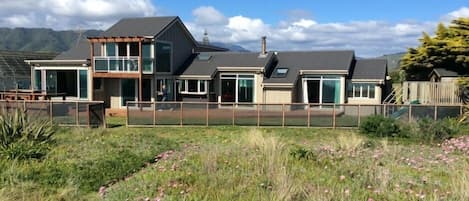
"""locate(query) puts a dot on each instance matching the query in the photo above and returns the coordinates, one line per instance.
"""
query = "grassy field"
(234, 163)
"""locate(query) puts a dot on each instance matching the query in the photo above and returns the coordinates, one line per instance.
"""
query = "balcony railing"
(116, 64)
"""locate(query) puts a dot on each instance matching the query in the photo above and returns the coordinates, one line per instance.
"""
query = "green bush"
(431, 130)
(380, 126)
(22, 138)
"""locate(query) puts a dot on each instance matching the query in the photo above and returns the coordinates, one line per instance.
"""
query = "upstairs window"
(110, 49)
(163, 57)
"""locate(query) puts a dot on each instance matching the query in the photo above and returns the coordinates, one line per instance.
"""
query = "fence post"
(181, 114)
(24, 106)
(77, 116)
(410, 113)
(461, 111)
(309, 115)
(153, 106)
(104, 115)
(127, 114)
(50, 110)
(435, 115)
(283, 115)
(258, 115)
(384, 110)
(233, 115)
(206, 117)
(333, 116)
(358, 113)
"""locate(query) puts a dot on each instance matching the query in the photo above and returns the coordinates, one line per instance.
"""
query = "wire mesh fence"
(63, 113)
(149, 114)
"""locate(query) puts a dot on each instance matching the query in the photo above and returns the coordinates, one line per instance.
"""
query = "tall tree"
(448, 49)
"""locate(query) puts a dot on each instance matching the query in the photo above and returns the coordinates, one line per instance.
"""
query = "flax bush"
(24, 138)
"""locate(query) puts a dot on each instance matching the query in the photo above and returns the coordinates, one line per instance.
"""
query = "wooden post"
(50, 110)
(181, 114)
(77, 117)
(435, 115)
(283, 115)
(92, 70)
(410, 113)
(258, 116)
(309, 115)
(358, 114)
(153, 106)
(104, 114)
(206, 113)
(127, 114)
(333, 116)
(140, 71)
(233, 115)
(88, 115)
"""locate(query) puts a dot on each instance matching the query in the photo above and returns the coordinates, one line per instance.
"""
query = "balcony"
(116, 64)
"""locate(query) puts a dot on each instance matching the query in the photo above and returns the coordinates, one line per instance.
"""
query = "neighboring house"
(446, 75)
(14, 72)
(135, 58)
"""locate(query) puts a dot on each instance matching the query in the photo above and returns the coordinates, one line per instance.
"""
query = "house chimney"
(263, 45)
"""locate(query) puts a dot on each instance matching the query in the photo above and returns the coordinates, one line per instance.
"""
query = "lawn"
(235, 163)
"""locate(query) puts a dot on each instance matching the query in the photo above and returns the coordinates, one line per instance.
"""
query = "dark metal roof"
(148, 26)
(197, 67)
(209, 48)
(12, 62)
(370, 69)
(310, 60)
(81, 51)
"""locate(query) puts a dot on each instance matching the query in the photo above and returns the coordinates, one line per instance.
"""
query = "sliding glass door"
(322, 89)
(237, 88)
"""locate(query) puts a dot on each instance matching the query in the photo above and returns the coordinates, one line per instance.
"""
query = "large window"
(321, 89)
(237, 88)
(83, 83)
(110, 49)
(361, 90)
(37, 79)
(193, 87)
(163, 57)
(147, 58)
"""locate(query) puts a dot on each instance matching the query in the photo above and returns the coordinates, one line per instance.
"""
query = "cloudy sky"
(369, 27)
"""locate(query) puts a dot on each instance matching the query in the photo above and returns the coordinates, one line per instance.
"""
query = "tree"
(448, 49)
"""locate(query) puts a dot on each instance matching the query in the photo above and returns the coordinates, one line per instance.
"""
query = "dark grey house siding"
(182, 44)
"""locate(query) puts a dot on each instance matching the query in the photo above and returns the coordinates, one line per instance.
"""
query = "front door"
(127, 90)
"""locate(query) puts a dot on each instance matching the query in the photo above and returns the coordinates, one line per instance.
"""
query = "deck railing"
(116, 64)
(63, 113)
(151, 114)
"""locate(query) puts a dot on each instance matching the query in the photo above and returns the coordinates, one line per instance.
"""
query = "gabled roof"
(148, 26)
(370, 69)
(206, 64)
(441, 72)
(320, 61)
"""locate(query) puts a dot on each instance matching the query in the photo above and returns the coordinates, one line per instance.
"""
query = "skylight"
(280, 72)
(204, 57)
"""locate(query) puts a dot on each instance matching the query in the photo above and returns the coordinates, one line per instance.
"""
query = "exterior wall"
(368, 101)
(258, 92)
(112, 92)
(277, 96)
(182, 45)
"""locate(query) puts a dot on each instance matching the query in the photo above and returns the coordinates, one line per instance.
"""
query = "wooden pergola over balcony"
(133, 73)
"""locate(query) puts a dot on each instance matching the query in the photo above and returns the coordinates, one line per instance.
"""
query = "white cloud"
(368, 38)
(462, 12)
(71, 14)
(207, 15)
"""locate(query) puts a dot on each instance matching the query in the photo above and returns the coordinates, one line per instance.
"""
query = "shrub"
(380, 126)
(22, 138)
(431, 130)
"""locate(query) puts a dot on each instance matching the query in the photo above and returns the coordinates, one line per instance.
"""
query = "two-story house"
(135, 58)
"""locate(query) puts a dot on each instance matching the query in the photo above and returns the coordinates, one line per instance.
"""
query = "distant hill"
(40, 39)
(393, 60)
(48, 40)
(231, 47)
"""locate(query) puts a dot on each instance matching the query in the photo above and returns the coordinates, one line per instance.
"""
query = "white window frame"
(236, 77)
(321, 79)
(362, 96)
(200, 90)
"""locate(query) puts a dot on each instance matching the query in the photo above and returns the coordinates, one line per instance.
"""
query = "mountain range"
(48, 40)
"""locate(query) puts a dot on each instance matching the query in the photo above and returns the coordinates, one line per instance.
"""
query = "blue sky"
(321, 10)
(370, 27)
